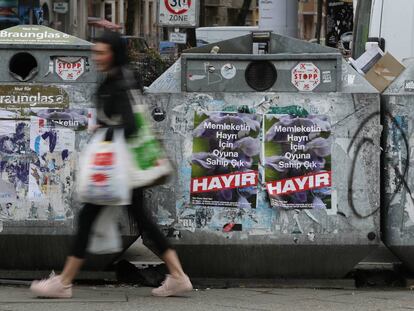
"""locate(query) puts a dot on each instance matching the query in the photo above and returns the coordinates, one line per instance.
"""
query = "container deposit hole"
(261, 75)
(23, 65)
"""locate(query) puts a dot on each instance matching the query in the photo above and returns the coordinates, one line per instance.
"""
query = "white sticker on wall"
(409, 85)
(192, 77)
(326, 77)
(351, 79)
(228, 71)
(69, 68)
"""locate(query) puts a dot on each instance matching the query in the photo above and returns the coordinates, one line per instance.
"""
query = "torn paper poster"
(73, 118)
(46, 137)
(7, 192)
(13, 138)
(7, 127)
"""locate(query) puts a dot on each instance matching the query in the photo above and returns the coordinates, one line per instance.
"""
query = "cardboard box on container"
(384, 72)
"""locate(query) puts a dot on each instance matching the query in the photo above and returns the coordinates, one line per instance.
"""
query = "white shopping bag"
(103, 177)
(106, 237)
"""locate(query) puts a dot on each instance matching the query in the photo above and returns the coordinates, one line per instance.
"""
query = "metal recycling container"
(47, 81)
(398, 141)
(276, 143)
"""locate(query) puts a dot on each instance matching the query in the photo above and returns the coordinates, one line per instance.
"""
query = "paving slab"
(80, 295)
(131, 298)
(274, 283)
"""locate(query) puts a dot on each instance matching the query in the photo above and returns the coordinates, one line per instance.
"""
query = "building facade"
(69, 16)
(337, 19)
(307, 19)
(225, 12)
(142, 15)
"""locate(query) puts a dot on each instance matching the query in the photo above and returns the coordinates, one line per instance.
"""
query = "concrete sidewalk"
(121, 298)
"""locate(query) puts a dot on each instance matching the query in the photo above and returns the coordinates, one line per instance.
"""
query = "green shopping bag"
(152, 165)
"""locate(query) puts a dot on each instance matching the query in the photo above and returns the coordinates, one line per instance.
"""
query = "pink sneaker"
(173, 286)
(51, 288)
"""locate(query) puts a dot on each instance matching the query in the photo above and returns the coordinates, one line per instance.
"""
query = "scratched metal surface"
(353, 118)
(398, 205)
(268, 234)
(36, 232)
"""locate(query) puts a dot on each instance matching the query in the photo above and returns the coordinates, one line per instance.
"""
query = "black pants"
(90, 212)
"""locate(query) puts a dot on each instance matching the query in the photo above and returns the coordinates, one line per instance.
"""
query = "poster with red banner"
(297, 160)
(226, 154)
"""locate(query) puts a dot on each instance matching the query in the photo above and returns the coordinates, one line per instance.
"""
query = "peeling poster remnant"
(37, 163)
(50, 176)
(44, 136)
(14, 161)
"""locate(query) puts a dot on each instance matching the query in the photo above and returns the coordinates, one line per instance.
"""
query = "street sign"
(178, 37)
(306, 76)
(178, 13)
(60, 7)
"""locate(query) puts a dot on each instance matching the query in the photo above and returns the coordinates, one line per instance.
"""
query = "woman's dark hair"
(118, 47)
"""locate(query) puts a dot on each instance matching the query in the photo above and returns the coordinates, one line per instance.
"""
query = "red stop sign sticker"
(177, 7)
(70, 68)
(306, 76)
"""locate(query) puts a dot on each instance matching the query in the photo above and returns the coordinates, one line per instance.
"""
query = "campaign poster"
(226, 154)
(297, 160)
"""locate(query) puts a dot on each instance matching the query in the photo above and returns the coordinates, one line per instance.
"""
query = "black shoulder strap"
(131, 81)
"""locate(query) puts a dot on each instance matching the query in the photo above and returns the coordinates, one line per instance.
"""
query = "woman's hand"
(93, 128)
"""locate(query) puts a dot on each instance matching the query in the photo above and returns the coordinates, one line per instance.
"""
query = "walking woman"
(110, 56)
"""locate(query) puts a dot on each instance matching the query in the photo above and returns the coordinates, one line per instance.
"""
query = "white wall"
(395, 25)
(280, 16)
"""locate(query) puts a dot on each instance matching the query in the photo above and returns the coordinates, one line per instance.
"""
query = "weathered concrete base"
(406, 254)
(271, 261)
(47, 252)
(409, 283)
(380, 259)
